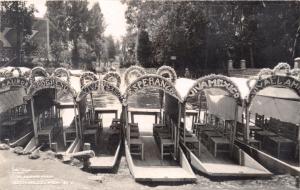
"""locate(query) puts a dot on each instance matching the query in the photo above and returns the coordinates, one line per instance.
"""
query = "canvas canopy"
(218, 101)
(280, 103)
(11, 99)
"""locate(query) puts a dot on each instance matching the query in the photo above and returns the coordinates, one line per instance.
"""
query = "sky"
(113, 12)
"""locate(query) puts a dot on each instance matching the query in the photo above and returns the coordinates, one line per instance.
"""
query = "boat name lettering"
(22, 82)
(215, 83)
(151, 82)
(277, 81)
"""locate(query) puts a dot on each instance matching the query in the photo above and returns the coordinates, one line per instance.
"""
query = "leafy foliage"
(17, 15)
(204, 35)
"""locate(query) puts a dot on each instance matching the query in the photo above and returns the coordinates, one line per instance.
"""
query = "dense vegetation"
(205, 35)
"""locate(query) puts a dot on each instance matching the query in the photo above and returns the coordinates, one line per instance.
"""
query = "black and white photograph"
(149, 94)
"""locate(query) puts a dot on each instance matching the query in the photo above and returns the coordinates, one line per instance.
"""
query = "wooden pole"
(234, 128)
(79, 122)
(93, 109)
(247, 131)
(177, 131)
(34, 122)
(76, 125)
(184, 122)
(127, 127)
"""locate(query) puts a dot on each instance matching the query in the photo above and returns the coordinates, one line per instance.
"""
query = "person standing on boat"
(187, 73)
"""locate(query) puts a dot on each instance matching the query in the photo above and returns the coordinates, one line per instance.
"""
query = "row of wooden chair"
(277, 137)
(163, 139)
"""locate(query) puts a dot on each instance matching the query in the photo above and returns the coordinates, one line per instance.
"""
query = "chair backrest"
(259, 120)
(273, 125)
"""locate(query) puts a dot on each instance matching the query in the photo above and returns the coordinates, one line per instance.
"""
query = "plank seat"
(280, 146)
(137, 147)
(45, 135)
(166, 147)
(69, 134)
(206, 135)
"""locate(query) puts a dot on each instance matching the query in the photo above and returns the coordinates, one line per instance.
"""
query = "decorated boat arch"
(87, 77)
(163, 141)
(167, 72)
(133, 72)
(15, 82)
(113, 77)
(272, 118)
(152, 81)
(99, 86)
(275, 81)
(93, 122)
(51, 82)
(37, 71)
(62, 72)
(215, 82)
(211, 112)
(13, 90)
(51, 100)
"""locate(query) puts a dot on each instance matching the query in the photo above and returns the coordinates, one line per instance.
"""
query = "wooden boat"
(16, 124)
(154, 155)
(272, 120)
(98, 135)
(208, 138)
(54, 111)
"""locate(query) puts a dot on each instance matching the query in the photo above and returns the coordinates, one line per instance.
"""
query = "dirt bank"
(19, 172)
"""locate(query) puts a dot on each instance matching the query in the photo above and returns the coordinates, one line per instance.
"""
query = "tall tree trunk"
(295, 48)
(251, 57)
(75, 56)
(19, 45)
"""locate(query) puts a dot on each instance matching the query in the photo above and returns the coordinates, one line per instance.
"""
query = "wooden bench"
(206, 135)
(90, 132)
(166, 147)
(69, 135)
(280, 146)
(137, 147)
(46, 135)
(263, 135)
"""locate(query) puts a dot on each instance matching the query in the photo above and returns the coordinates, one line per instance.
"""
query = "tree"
(57, 16)
(144, 50)
(19, 16)
(95, 31)
(111, 49)
(204, 35)
(77, 25)
(85, 54)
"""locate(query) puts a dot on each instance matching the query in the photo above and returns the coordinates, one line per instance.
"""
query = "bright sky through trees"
(113, 11)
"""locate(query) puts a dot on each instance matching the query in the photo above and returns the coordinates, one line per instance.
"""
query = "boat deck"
(59, 139)
(106, 149)
(162, 174)
(152, 155)
(207, 157)
(107, 143)
(225, 166)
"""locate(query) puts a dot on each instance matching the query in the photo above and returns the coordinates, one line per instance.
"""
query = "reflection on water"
(146, 99)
